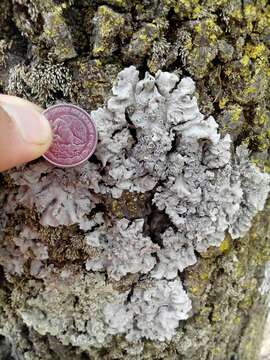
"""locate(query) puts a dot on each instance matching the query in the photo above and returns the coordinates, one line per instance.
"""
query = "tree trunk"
(71, 286)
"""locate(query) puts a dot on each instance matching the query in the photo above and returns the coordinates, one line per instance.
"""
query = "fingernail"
(33, 127)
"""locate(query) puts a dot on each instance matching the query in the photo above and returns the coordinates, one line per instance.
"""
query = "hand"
(25, 134)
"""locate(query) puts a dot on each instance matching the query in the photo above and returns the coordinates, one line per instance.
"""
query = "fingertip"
(25, 134)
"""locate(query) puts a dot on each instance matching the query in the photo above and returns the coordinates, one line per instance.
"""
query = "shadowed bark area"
(54, 51)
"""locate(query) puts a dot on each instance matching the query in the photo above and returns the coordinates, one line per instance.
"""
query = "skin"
(25, 134)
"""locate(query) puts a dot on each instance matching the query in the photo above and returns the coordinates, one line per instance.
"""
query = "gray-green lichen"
(17, 251)
(131, 253)
(196, 179)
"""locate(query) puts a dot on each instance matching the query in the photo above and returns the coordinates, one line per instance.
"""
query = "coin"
(74, 135)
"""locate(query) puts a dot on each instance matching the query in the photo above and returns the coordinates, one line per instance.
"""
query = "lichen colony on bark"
(195, 178)
(158, 227)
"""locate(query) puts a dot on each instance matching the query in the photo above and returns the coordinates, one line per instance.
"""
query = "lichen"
(124, 249)
(40, 82)
(57, 36)
(153, 139)
(199, 58)
(265, 285)
(231, 118)
(154, 311)
(149, 100)
(24, 250)
(97, 82)
(255, 187)
(141, 42)
(57, 194)
(175, 255)
(4, 47)
(108, 24)
(64, 308)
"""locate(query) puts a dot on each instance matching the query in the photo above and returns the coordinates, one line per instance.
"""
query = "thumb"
(25, 134)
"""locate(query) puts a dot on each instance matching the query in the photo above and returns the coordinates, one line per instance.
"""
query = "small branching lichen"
(4, 47)
(40, 82)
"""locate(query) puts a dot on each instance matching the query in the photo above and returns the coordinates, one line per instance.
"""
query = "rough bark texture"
(72, 51)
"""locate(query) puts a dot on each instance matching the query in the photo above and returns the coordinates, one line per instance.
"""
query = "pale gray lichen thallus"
(197, 179)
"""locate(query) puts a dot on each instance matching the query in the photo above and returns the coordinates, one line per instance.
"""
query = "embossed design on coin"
(74, 135)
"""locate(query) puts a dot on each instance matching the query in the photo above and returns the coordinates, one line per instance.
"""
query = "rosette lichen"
(153, 312)
(153, 140)
(22, 250)
(62, 198)
(125, 250)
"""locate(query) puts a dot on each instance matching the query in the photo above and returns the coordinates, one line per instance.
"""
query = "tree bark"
(71, 51)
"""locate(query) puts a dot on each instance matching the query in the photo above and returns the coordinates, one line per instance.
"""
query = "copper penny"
(74, 135)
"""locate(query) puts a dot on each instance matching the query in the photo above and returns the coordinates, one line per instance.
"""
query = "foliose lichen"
(131, 253)
(57, 195)
(265, 285)
(175, 255)
(153, 313)
(154, 140)
(25, 249)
